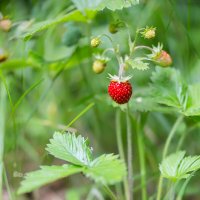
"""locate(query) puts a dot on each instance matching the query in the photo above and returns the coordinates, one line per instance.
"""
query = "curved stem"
(130, 157)
(140, 138)
(143, 47)
(165, 151)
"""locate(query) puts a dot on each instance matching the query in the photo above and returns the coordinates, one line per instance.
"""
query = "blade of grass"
(2, 132)
(25, 94)
(79, 115)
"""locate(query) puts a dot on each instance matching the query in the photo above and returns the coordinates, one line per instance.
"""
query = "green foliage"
(101, 4)
(47, 174)
(138, 64)
(106, 169)
(103, 169)
(71, 16)
(70, 148)
(176, 166)
(169, 88)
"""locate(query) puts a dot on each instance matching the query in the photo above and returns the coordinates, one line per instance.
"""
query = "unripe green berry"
(95, 42)
(113, 28)
(98, 66)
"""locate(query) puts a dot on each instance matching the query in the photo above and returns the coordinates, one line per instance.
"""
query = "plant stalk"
(165, 151)
(120, 146)
(140, 138)
(129, 156)
(2, 132)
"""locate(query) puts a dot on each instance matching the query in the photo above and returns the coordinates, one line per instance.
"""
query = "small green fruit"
(98, 66)
(113, 28)
(95, 42)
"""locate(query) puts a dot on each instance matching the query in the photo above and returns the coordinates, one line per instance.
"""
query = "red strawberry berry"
(120, 92)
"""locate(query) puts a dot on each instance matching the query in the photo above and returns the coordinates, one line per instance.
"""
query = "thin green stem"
(140, 138)
(143, 47)
(2, 132)
(165, 151)
(109, 192)
(130, 155)
(79, 115)
(7, 184)
(120, 145)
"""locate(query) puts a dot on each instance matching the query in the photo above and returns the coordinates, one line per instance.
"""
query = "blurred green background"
(50, 84)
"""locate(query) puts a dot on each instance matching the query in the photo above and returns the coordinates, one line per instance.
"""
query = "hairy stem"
(165, 151)
(140, 138)
(130, 155)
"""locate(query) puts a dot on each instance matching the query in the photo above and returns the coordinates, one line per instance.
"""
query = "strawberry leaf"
(138, 64)
(176, 166)
(106, 169)
(70, 148)
(47, 174)
(102, 4)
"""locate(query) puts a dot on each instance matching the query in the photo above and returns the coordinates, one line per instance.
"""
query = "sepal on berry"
(119, 79)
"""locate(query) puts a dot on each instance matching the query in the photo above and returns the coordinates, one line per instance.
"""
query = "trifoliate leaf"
(106, 169)
(70, 148)
(176, 167)
(138, 64)
(47, 174)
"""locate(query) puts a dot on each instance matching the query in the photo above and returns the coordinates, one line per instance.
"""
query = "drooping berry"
(98, 66)
(160, 57)
(163, 59)
(120, 92)
(113, 28)
(5, 24)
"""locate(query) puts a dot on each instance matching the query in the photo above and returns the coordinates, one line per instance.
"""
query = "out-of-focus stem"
(165, 151)
(140, 138)
(2, 132)
(120, 146)
(130, 155)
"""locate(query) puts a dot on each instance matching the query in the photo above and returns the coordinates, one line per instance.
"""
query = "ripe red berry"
(120, 92)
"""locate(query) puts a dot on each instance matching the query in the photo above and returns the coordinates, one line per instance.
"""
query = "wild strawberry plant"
(167, 92)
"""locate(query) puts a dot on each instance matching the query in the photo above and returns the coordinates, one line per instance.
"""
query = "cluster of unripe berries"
(120, 89)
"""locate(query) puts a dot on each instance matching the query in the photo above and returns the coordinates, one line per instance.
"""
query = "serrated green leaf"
(169, 88)
(101, 4)
(176, 167)
(138, 64)
(70, 148)
(47, 174)
(106, 169)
